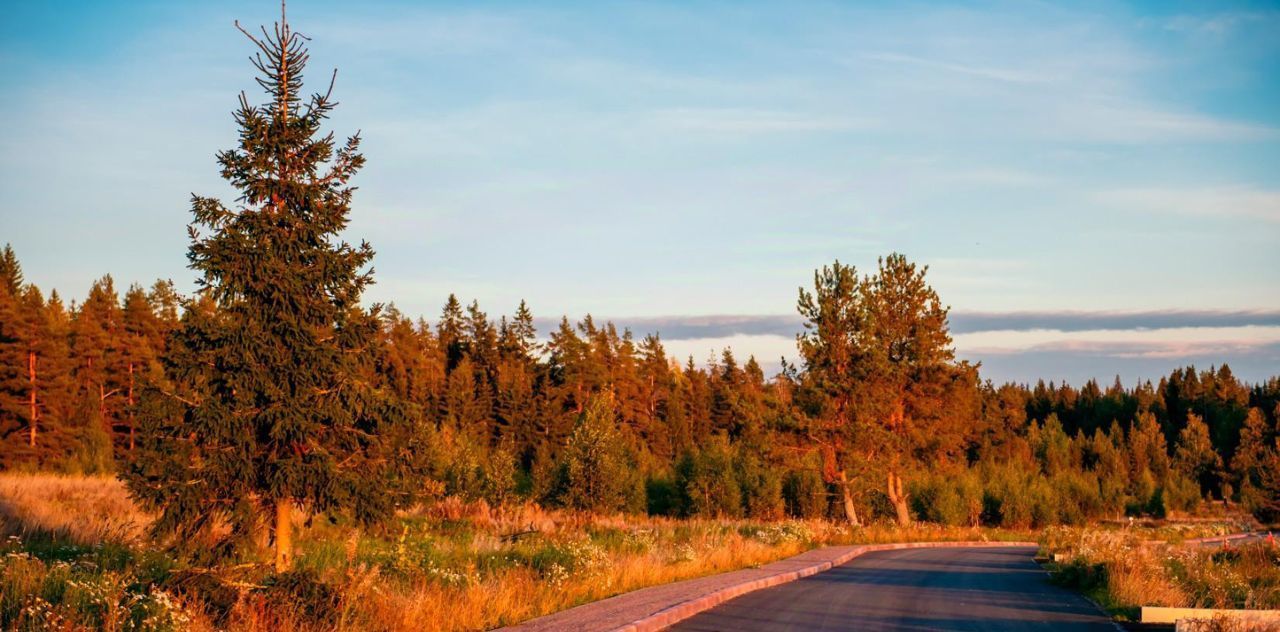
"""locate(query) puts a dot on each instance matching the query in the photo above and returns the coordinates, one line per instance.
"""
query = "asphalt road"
(915, 590)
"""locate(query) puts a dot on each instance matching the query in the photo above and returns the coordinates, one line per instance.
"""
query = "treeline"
(71, 375)
(591, 417)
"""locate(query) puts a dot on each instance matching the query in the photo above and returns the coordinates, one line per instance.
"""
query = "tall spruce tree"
(274, 412)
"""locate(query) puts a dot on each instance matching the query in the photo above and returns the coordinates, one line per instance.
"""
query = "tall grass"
(85, 510)
(77, 560)
(1123, 570)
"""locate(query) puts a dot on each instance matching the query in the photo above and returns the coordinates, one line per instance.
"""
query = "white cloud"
(1171, 341)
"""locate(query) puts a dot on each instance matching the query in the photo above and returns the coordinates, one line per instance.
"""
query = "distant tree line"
(590, 417)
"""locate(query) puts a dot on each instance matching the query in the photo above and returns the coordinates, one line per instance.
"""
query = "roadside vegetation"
(1124, 569)
(74, 557)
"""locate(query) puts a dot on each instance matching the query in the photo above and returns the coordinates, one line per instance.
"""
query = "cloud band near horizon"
(729, 325)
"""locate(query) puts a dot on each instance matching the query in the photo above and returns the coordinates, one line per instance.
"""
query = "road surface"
(913, 590)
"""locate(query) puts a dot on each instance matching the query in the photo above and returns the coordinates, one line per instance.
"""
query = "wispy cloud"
(967, 322)
(739, 121)
(1038, 324)
(1216, 25)
(1131, 362)
(703, 327)
(1229, 201)
(984, 72)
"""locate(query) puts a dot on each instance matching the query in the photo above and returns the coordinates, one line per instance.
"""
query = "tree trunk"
(898, 498)
(35, 411)
(102, 408)
(284, 535)
(850, 511)
(131, 425)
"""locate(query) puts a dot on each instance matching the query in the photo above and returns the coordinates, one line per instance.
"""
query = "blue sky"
(656, 163)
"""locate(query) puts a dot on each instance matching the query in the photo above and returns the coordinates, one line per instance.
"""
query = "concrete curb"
(1215, 539)
(686, 606)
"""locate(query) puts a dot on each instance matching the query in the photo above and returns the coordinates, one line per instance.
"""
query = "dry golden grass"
(1141, 578)
(85, 510)
(1124, 571)
(521, 594)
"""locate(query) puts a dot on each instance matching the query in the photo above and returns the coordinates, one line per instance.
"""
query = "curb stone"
(690, 597)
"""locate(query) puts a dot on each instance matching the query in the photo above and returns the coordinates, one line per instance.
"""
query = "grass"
(1123, 570)
(74, 558)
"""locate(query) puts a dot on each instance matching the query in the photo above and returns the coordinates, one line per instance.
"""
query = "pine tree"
(451, 330)
(97, 345)
(18, 414)
(143, 344)
(1268, 504)
(515, 405)
(518, 337)
(833, 351)
(1248, 460)
(272, 412)
(1194, 456)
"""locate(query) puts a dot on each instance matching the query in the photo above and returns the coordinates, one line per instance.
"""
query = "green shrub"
(804, 494)
(761, 490)
(662, 497)
(707, 483)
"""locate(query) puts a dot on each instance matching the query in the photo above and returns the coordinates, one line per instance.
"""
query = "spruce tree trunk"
(850, 511)
(284, 535)
(35, 413)
(898, 498)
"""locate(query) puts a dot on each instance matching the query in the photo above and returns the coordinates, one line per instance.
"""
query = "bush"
(662, 497)
(707, 483)
(1181, 493)
(761, 490)
(804, 494)
(955, 500)
(470, 473)
(595, 473)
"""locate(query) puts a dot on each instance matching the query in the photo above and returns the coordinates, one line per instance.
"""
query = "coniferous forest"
(590, 417)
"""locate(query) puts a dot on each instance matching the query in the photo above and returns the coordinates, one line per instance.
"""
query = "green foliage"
(1195, 457)
(707, 484)
(950, 498)
(761, 488)
(271, 404)
(662, 497)
(1180, 493)
(804, 494)
(51, 584)
(595, 472)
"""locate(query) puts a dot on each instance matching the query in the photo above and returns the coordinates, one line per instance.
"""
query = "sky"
(1095, 187)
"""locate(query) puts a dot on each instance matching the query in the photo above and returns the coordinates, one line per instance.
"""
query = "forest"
(590, 417)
